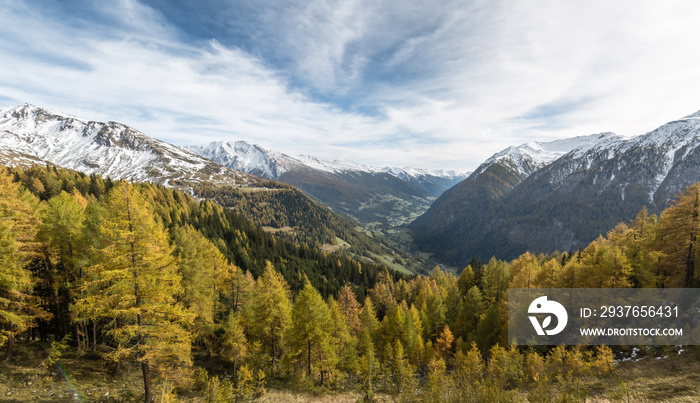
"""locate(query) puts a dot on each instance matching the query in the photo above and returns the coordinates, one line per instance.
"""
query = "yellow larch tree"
(135, 285)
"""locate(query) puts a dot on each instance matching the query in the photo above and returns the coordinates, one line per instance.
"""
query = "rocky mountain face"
(31, 135)
(520, 200)
(388, 196)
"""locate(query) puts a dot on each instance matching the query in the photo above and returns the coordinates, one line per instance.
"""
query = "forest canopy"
(145, 275)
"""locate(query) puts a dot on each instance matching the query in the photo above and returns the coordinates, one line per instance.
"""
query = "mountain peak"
(695, 115)
(31, 134)
(25, 110)
(597, 180)
(545, 152)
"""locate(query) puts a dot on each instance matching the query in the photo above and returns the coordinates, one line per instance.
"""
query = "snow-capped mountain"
(369, 194)
(531, 156)
(270, 164)
(248, 158)
(560, 195)
(30, 135)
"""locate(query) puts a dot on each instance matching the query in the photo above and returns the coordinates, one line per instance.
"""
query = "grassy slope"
(675, 378)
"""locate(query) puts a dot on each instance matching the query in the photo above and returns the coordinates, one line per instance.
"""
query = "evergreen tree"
(466, 280)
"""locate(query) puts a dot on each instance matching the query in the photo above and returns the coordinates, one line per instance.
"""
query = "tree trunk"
(272, 337)
(320, 360)
(10, 344)
(308, 361)
(148, 398)
(77, 336)
(690, 262)
(86, 335)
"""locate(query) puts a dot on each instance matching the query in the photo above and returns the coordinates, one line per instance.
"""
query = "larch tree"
(677, 235)
(443, 345)
(135, 285)
(235, 290)
(18, 226)
(368, 327)
(638, 245)
(523, 270)
(469, 312)
(271, 311)
(65, 251)
(351, 308)
(234, 344)
(202, 267)
(497, 277)
(309, 337)
(345, 343)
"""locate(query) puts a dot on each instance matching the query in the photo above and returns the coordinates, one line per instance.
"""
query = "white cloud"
(452, 82)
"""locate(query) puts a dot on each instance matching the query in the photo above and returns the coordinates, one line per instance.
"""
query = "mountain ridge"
(386, 196)
(507, 206)
(239, 153)
(31, 134)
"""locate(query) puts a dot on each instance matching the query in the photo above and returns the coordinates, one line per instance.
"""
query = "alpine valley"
(560, 195)
(386, 197)
(537, 197)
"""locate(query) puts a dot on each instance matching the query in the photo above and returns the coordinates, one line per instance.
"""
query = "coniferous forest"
(203, 305)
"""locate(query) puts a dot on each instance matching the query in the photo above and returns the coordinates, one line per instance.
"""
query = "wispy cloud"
(439, 84)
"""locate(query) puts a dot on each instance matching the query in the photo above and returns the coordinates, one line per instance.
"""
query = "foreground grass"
(664, 375)
(655, 375)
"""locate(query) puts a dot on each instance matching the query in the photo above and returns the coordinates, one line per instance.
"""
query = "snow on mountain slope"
(391, 196)
(411, 173)
(271, 164)
(649, 160)
(249, 158)
(564, 202)
(30, 134)
(338, 166)
(531, 156)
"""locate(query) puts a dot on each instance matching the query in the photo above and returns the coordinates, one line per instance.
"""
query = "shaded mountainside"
(388, 196)
(563, 204)
(365, 196)
(288, 213)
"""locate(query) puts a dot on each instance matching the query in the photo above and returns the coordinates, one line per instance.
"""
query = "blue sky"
(431, 84)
